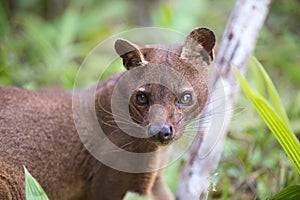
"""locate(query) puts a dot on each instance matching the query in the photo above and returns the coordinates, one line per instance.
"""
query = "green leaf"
(277, 125)
(288, 193)
(258, 78)
(134, 196)
(33, 189)
(273, 94)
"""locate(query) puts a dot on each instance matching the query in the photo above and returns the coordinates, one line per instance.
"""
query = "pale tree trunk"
(237, 44)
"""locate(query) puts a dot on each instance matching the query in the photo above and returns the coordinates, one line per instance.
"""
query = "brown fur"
(37, 129)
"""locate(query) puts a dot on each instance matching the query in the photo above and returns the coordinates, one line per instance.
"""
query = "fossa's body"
(38, 128)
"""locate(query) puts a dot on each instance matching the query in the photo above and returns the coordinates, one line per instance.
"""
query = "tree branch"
(237, 44)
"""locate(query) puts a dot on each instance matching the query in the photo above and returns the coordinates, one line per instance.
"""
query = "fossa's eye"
(185, 99)
(141, 99)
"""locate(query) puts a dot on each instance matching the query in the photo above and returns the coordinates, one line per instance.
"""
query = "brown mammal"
(53, 135)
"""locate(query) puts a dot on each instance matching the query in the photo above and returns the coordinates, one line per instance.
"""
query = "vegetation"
(275, 117)
(33, 189)
(43, 43)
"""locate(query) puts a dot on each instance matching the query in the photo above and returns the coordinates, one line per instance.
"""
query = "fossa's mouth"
(161, 142)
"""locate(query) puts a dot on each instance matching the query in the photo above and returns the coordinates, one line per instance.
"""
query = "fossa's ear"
(131, 55)
(199, 44)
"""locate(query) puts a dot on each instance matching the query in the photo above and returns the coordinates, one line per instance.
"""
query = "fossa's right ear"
(131, 55)
(199, 44)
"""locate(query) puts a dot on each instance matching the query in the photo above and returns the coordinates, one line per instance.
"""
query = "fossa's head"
(166, 85)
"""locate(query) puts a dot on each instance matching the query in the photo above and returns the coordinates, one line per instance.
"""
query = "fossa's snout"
(163, 132)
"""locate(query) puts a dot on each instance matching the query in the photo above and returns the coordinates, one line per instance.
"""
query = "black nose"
(162, 132)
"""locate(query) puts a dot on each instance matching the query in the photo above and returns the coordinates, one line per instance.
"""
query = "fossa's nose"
(163, 132)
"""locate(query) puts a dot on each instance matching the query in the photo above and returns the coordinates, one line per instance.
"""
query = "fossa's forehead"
(172, 58)
(151, 76)
(162, 90)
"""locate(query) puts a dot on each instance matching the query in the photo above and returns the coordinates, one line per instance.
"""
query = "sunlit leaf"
(257, 76)
(288, 193)
(272, 92)
(134, 196)
(32, 188)
(281, 131)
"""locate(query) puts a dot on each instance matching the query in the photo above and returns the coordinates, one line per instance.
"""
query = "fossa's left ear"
(129, 52)
(199, 44)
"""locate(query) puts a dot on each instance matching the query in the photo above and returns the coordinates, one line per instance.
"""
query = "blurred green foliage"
(43, 43)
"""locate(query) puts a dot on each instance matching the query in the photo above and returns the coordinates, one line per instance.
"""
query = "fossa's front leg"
(160, 190)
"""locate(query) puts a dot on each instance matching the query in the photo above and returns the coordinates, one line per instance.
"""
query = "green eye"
(141, 99)
(185, 99)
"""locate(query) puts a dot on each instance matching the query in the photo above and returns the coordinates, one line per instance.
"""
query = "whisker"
(136, 111)
(113, 120)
